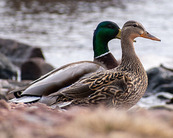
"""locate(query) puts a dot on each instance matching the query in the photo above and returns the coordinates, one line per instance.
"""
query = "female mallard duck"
(70, 73)
(121, 87)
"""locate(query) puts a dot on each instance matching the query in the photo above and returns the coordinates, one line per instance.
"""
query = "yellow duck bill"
(118, 36)
(149, 36)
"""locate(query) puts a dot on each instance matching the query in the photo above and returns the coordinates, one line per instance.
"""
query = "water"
(64, 29)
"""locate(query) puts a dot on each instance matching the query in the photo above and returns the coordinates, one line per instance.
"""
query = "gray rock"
(7, 69)
(170, 101)
(165, 87)
(160, 79)
(34, 68)
(17, 52)
(162, 107)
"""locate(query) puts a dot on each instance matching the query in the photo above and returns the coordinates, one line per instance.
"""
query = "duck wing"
(59, 78)
(95, 86)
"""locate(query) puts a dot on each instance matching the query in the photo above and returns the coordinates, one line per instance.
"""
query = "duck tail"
(25, 99)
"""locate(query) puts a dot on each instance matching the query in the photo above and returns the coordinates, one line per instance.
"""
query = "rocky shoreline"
(39, 120)
(19, 57)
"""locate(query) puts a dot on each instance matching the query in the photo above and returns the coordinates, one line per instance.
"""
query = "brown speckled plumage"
(121, 87)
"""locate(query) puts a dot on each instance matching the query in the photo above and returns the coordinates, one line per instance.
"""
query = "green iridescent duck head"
(104, 32)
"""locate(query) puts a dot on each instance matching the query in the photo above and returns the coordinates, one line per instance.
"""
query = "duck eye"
(135, 25)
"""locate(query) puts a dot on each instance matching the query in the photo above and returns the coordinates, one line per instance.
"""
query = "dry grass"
(40, 121)
(109, 123)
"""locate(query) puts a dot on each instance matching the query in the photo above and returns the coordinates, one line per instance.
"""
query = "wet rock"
(170, 101)
(167, 66)
(7, 69)
(17, 52)
(4, 88)
(164, 95)
(165, 88)
(160, 79)
(162, 107)
(34, 68)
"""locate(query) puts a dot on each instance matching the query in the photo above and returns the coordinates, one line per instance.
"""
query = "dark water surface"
(64, 28)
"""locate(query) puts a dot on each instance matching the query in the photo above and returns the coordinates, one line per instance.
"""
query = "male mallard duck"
(121, 87)
(105, 32)
(70, 73)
